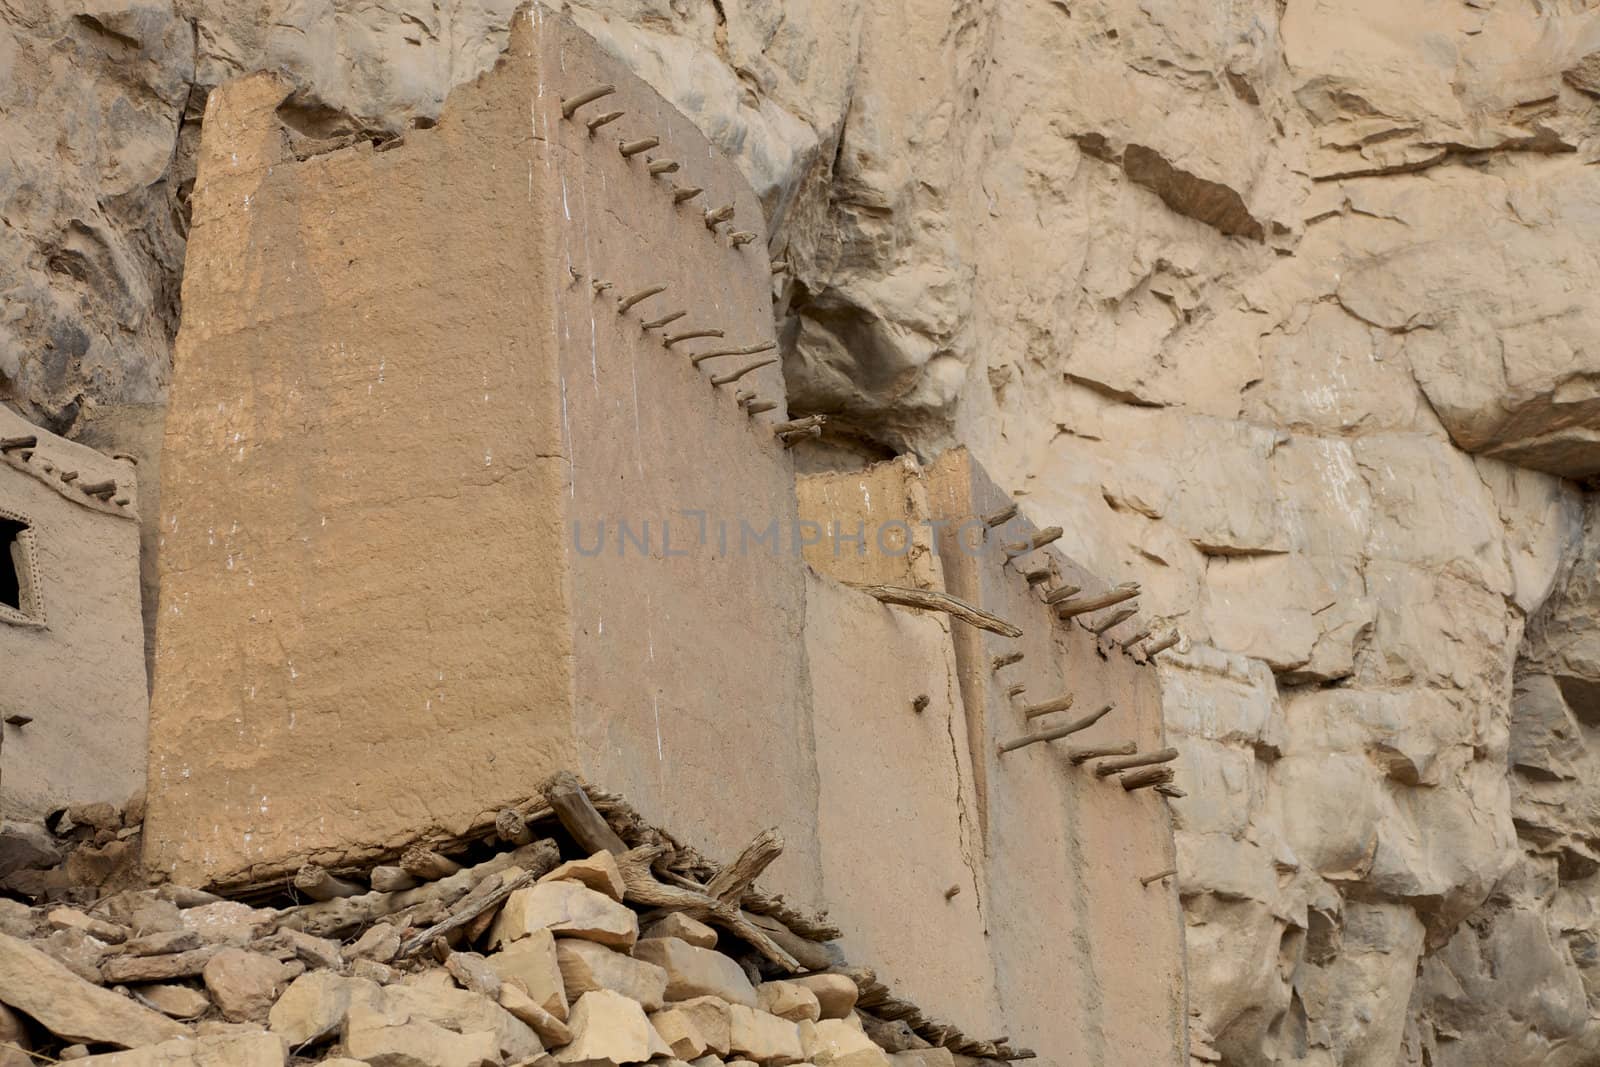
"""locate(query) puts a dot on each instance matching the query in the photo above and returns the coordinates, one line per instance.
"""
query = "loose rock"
(599, 872)
(568, 909)
(587, 966)
(695, 972)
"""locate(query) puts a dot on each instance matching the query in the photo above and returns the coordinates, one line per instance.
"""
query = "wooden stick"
(656, 324)
(717, 902)
(1165, 643)
(599, 286)
(717, 216)
(69, 476)
(740, 238)
(601, 120)
(316, 883)
(26, 441)
(688, 335)
(99, 489)
(389, 879)
(569, 105)
(341, 917)
(1078, 754)
(779, 266)
(1115, 619)
(679, 195)
(1144, 759)
(952, 892)
(1006, 660)
(733, 376)
(643, 294)
(792, 439)
(1136, 638)
(1049, 707)
(565, 795)
(1039, 575)
(1168, 873)
(930, 600)
(663, 166)
(427, 865)
(1001, 517)
(796, 425)
(1171, 791)
(756, 407)
(1038, 540)
(1056, 734)
(1126, 591)
(633, 148)
(487, 894)
(1016, 690)
(747, 350)
(1147, 777)
(509, 825)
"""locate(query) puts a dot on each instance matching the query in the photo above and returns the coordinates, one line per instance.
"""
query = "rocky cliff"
(1281, 309)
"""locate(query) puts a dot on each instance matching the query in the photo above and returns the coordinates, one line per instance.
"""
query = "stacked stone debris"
(570, 936)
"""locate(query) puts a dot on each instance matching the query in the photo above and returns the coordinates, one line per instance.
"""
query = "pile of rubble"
(568, 936)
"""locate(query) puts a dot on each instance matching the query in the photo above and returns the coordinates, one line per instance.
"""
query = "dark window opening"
(12, 566)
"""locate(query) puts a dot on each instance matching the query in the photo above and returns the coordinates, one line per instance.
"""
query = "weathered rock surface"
(68, 1006)
(1282, 310)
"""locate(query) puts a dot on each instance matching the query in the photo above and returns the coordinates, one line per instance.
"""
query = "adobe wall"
(400, 366)
(72, 661)
(687, 632)
(1071, 953)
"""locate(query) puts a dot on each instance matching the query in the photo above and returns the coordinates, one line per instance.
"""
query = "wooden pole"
(1147, 777)
(688, 335)
(1068, 609)
(1001, 517)
(577, 813)
(427, 865)
(733, 376)
(1056, 734)
(509, 825)
(1115, 619)
(740, 238)
(1038, 540)
(1049, 707)
(1084, 753)
(930, 600)
(756, 407)
(569, 105)
(1162, 645)
(656, 324)
(1039, 575)
(717, 216)
(601, 120)
(747, 350)
(26, 441)
(689, 192)
(664, 166)
(1145, 759)
(1171, 791)
(633, 148)
(796, 425)
(1006, 660)
(1168, 873)
(643, 294)
(316, 883)
(1060, 593)
(390, 879)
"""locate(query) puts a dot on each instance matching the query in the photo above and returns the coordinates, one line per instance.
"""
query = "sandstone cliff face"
(1285, 310)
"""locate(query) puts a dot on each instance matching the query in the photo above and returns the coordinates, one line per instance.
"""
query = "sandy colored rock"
(228, 922)
(680, 1033)
(586, 965)
(533, 964)
(421, 1044)
(71, 1008)
(830, 1039)
(708, 1017)
(165, 943)
(764, 1038)
(473, 974)
(315, 951)
(696, 972)
(315, 1005)
(157, 968)
(459, 1011)
(551, 1030)
(177, 1001)
(609, 1027)
(923, 1057)
(372, 971)
(380, 942)
(229, 1050)
(835, 993)
(568, 909)
(677, 924)
(69, 919)
(243, 984)
(866, 1057)
(788, 1000)
(598, 872)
